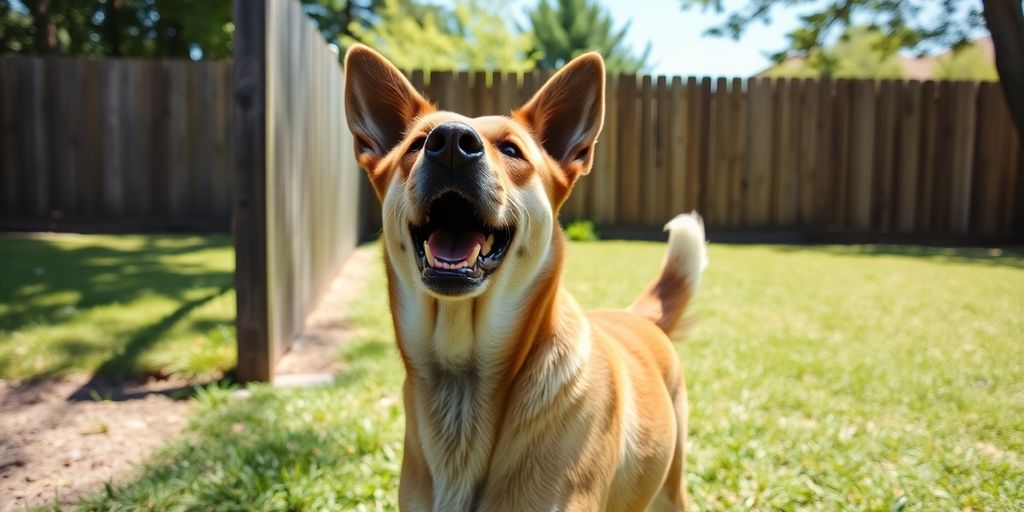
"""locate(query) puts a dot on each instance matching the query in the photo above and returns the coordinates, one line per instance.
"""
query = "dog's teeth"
(487, 246)
(430, 255)
(472, 256)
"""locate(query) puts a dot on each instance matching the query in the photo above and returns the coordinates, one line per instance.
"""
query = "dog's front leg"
(415, 492)
(562, 500)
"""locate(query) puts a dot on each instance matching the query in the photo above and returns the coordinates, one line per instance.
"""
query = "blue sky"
(678, 46)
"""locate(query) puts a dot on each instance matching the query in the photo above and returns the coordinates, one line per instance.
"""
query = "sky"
(678, 46)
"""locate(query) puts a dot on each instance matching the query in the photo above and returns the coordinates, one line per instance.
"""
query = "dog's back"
(641, 336)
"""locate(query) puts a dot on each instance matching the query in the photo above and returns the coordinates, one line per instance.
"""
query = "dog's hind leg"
(672, 497)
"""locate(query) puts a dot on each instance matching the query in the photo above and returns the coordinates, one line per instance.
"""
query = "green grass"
(116, 306)
(820, 378)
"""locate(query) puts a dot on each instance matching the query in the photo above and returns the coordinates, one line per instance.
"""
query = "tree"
(15, 29)
(857, 54)
(134, 28)
(904, 26)
(475, 36)
(488, 41)
(968, 63)
(570, 28)
(335, 18)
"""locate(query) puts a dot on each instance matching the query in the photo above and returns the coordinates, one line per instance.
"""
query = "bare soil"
(57, 442)
(62, 439)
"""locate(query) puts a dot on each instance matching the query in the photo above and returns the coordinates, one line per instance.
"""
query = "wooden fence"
(94, 144)
(297, 184)
(173, 144)
(146, 144)
(838, 159)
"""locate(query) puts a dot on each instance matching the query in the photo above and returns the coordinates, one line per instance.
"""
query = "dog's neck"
(466, 358)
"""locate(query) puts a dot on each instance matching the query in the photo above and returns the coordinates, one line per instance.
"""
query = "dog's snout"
(454, 145)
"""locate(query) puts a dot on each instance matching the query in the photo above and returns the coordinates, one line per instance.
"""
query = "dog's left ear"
(567, 113)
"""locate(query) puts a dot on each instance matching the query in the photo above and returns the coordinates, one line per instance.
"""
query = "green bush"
(582, 231)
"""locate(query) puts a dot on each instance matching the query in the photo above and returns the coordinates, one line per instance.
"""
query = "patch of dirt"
(314, 351)
(56, 443)
(63, 439)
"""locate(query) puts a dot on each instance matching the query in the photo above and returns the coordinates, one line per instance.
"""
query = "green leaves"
(569, 28)
(474, 37)
(901, 24)
(869, 52)
(130, 28)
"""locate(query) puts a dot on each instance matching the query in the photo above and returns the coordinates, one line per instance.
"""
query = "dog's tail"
(666, 299)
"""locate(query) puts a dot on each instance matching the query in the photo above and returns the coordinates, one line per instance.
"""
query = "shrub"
(582, 231)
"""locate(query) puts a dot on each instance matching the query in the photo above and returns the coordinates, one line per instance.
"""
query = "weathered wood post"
(249, 224)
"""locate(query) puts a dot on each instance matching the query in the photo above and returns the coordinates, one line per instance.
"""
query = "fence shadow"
(251, 450)
(48, 282)
(999, 257)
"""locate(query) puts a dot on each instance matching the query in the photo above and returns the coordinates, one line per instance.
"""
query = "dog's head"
(470, 200)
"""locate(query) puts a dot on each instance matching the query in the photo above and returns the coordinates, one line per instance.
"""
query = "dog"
(515, 399)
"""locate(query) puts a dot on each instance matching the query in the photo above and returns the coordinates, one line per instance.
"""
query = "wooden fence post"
(249, 224)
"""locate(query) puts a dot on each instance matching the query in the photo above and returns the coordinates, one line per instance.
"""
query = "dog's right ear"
(380, 104)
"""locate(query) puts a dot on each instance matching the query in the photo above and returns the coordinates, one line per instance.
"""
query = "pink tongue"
(454, 247)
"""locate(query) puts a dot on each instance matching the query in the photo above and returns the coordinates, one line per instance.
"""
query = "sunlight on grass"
(124, 305)
(820, 378)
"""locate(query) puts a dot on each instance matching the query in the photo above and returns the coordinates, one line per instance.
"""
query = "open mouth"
(456, 249)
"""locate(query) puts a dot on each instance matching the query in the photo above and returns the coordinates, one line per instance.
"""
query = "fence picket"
(150, 140)
(966, 114)
(629, 212)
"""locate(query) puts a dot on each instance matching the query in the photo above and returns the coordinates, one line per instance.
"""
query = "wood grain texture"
(647, 174)
(928, 158)
(676, 183)
(250, 179)
(89, 142)
(907, 168)
(862, 150)
(151, 142)
(962, 162)
(886, 139)
(758, 190)
(629, 163)
(311, 180)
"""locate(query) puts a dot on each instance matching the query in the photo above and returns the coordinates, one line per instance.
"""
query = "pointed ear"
(567, 113)
(380, 104)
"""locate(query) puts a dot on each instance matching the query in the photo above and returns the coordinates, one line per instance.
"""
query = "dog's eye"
(417, 144)
(511, 150)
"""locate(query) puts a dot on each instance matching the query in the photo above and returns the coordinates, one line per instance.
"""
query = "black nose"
(453, 145)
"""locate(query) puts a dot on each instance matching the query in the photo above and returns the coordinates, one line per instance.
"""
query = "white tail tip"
(687, 248)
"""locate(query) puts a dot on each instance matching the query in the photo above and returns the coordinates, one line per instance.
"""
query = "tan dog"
(515, 399)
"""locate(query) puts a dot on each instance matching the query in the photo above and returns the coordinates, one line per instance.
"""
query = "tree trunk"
(347, 21)
(112, 27)
(1005, 20)
(46, 30)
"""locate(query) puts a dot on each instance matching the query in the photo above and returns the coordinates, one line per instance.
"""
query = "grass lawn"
(820, 378)
(116, 305)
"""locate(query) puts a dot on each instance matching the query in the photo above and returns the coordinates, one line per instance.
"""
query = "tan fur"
(515, 399)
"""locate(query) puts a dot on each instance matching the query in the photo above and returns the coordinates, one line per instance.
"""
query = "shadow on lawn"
(44, 282)
(1000, 257)
(273, 448)
(106, 380)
